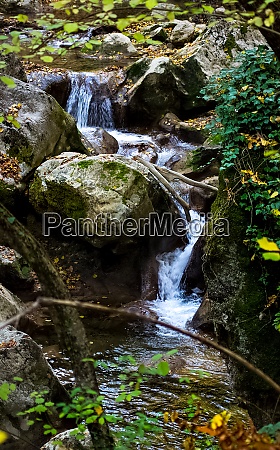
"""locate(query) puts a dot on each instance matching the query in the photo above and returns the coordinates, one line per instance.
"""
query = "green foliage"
(272, 430)
(247, 126)
(6, 389)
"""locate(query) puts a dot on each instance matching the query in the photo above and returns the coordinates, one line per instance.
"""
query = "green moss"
(66, 200)
(116, 170)
(230, 44)
(84, 164)
(23, 153)
(7, 193)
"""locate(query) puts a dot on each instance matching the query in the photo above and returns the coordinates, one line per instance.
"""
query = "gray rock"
(45, 130)
(69, 442)
(159, 90)
(102, 141)
(118, 43)
(21, 357)
(10, 305)
(183, 32)
(13, 268)
(97, 187)
(162, 10)
(212, 51)
(21, 6)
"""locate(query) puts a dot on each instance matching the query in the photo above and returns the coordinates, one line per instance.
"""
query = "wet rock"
(107, 190)
(157, 91)
(212, 51)
(115, 43)
(20, 356)
(201, 199)
(57, 84)
(44, 129)
(183, 32)
(202, 320)
(69, 442)
(193, 277)
(102, 142)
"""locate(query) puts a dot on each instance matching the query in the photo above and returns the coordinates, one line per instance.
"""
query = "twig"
(167, 185)
(187, 180)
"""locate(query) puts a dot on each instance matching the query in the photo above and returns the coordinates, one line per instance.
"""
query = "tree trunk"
(69, 328)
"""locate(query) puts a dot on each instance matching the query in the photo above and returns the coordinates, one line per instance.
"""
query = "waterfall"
(89, 100)
(172, 266)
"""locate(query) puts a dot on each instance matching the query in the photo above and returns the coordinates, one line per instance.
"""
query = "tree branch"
(46, 301)
(167, 185)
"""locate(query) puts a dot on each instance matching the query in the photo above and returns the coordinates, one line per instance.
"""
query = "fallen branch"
(46, 301)
(167, 185)
(187, 180)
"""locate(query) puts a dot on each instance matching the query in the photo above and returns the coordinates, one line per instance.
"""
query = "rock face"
(57, 84)
(159, 89)
(10, 305)
(118, 43)
(43, 129)
(237, 298)
(20, 356)
(163, 86)
(212, 51)
(107, 190)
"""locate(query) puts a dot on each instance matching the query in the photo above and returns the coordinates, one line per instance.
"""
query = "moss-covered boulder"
(99, 194)
(34, 128)
(238, 299)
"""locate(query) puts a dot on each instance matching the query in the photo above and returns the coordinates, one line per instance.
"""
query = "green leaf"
(150, 4)
(22, 18)
(157, 357)
(71, 27)
(60, 4)
(8, 81)
(172, 352)
(11, 219)
(46, 58)
(163, 368)
(271, 256)
(18, 379)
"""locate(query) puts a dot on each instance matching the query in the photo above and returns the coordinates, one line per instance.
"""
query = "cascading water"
(171, 304)
(89, 100)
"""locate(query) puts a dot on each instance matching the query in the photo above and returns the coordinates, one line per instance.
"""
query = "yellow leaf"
(267, 245)
(56, 260)
(276, 212)
(165, 417)
(275, 193)
(244, 88)
(3, 436)
(260, 98)
(219, 419)
(174, 415)
(98, 410)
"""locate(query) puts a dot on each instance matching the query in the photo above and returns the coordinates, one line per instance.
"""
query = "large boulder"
(21, 357)
(35, 127)
(212, 51)
(107, 190)
(159, 89)
(55, 83)
(115, 43)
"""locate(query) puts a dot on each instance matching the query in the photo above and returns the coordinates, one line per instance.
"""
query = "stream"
(90, 104)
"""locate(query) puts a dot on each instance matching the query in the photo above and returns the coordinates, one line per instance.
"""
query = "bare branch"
(167, 185)
(47, 301)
